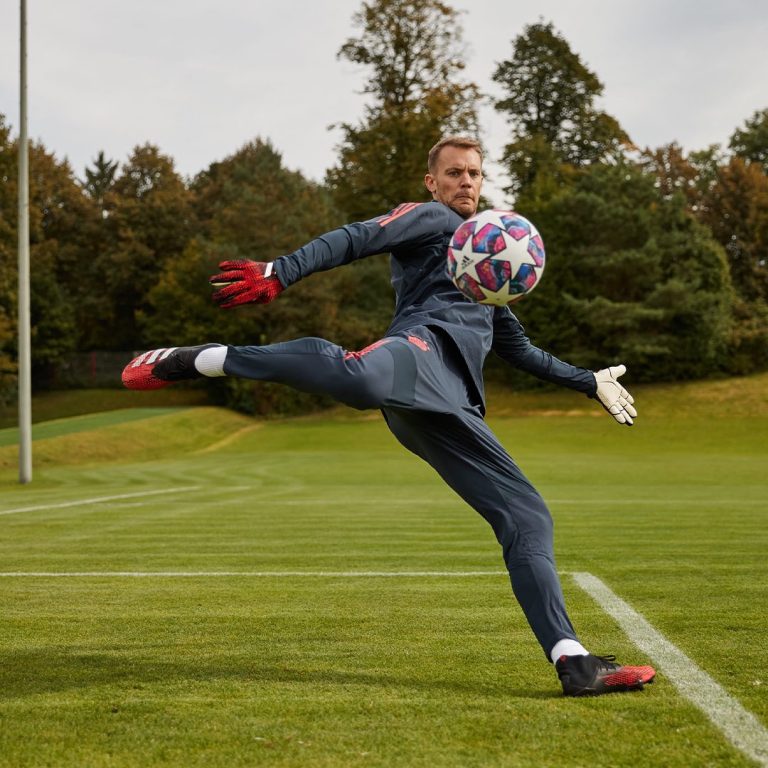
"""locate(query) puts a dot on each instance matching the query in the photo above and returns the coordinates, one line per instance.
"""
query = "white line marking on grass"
(666, 501)
(250, 574)
(411, 501)
(98, 500)
(738, 725)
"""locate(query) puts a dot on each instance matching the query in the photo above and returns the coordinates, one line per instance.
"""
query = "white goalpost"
(25, 356)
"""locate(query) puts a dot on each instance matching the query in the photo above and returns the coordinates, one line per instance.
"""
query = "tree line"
(656, 257)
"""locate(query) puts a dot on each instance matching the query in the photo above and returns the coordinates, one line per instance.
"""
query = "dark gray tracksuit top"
(417, 237)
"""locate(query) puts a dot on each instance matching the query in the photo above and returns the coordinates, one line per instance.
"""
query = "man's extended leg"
(359, 379)
(364, 379)
(468, 457)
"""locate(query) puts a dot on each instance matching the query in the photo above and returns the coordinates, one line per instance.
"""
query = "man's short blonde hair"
(463, 142)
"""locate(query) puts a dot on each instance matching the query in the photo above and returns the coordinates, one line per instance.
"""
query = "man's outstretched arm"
(512, 345)
(245, 281)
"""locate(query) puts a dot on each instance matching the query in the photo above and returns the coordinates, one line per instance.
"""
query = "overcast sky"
(200, 78)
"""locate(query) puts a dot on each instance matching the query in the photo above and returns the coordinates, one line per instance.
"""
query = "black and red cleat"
(161, 367)
(594, 675)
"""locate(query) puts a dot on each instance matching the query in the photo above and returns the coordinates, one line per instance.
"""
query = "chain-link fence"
(92, 369)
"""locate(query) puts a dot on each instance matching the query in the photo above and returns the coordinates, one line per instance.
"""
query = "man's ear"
(429, 183)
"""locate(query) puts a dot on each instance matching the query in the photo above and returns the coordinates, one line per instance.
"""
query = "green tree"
(59, 215)
(414, 52)
(692, 175)
(149, 222)
(730, 197)
(8, 275)
(100, 239)
(550, 104)
(250, 206)
(736, 210)
(100, 179)
(59, 218)
(631, 277)
(751, 142)
(251, 201)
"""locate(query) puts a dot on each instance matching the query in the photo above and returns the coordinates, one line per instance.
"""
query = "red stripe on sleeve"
(401, 210)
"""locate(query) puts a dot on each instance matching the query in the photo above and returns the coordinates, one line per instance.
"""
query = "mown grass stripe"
(98, 500)
(249, 574)
(274, 500)
(738, 725)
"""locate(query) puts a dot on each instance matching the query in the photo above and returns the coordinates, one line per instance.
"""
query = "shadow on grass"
(52, 670)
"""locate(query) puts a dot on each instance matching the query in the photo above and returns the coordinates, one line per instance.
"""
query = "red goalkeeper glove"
(245, 282)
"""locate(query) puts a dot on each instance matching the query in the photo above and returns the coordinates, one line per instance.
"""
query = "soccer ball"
(496, 257)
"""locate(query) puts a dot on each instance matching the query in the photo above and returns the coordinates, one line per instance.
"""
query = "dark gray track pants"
(419, 385)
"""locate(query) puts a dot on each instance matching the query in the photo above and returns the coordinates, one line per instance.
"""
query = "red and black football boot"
(594, 675)
(161, 367)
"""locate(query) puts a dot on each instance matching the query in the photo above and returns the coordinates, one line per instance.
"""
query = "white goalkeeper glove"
(614, 398)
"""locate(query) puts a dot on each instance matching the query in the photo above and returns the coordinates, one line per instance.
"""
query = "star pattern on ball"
(496, 257)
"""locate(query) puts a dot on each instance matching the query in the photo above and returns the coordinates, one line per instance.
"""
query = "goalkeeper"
(425, 375)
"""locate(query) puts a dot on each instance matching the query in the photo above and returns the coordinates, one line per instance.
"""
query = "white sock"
(210, 362)
(567, 647)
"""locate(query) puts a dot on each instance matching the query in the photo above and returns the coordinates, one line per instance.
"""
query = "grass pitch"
(323, 670)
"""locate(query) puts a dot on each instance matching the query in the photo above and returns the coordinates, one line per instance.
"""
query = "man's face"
(457, 179)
